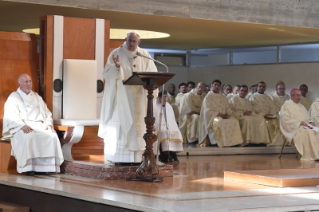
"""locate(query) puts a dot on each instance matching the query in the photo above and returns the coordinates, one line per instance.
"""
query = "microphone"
(143, 55)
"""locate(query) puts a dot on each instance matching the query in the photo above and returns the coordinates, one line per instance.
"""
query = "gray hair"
(133, 32)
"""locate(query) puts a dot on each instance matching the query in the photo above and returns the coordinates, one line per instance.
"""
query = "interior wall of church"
(293, 74)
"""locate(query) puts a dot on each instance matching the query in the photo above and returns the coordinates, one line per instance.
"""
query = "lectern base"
(147, 179)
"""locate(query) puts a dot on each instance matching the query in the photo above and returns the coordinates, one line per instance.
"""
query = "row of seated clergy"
(28, 123)
(296, 125)
(218, 119)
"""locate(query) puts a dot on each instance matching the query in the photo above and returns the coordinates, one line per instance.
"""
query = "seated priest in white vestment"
(180, 95)
(227, 89)
(252, 90)
(298, 128)
(169, 136)
(265, 107)
(216, 125)
(124, 106)
(189, 113)
(234, 92)
(27, 122)
(314, 112)
(279, 96)
(253, 127)
(190, 86)
(172, 99)
(305, 100)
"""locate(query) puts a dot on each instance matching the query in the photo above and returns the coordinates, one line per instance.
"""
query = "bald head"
(201, 87)
(25, 83)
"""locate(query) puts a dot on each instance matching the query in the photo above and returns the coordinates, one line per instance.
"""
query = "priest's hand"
(313, 124)
(50, 127)
(268, 116)
(116, 61)
(26, 129)
(303, 124)
(247, 113)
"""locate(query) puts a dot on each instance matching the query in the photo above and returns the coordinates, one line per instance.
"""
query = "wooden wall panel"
(106, 40)
(79, 38)
(17, 56)
(46, 59)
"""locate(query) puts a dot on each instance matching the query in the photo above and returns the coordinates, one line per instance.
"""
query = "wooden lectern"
(150, 80)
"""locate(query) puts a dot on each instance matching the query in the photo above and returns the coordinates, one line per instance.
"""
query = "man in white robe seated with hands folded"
(296, 125)
(28, 123)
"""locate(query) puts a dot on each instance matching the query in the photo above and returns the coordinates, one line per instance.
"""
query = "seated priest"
(216, 125)
(171, 99)
(227, 90)
(235, 91)
(190, 86)
(297, 126)
(305, 100)
(169, 136)
(279, 96)
(27, 122)
(252, 90)
(265, 107)
(189, 113)
(180, 95)
(253, 127)
(314, 112)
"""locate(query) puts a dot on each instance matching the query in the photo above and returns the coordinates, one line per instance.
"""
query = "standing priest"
(27, 122)
(124, 106)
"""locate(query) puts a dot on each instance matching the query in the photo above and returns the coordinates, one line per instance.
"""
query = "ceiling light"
(119, 34)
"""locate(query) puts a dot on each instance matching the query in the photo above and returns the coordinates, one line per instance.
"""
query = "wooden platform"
(277, 178)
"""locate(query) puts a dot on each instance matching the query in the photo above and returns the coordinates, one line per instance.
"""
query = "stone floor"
(197, 185)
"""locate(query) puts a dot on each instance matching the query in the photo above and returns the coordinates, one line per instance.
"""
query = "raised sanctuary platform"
(197, 185)
(277, 177)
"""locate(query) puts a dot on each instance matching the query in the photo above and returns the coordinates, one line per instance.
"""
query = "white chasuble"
(172, 102)
(39, 150)
(188, 124)
(170, 137)
(305, 140)
(306, 101)
(278, 100)
(178, 99)
(253, 128)
(314, 112)
(124, 107)
(263, 105)
(224, 132)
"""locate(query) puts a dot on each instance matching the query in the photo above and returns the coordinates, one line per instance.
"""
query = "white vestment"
(253, 128)
(178, 99)
(172, 102)
(314, 112)
(306, 102)
(171, 139)
(224, 132)
(263, 105)
(124, 107)
(188, 124)
(39, 150)
(306, 140)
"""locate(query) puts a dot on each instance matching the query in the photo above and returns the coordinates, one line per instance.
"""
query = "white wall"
(293, 75)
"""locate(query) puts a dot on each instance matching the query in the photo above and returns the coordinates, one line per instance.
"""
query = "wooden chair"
(8, 163)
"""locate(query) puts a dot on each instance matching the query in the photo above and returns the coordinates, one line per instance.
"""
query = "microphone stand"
(158, 163)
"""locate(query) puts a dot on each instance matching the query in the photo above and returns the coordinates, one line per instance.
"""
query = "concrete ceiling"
(186, 33)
